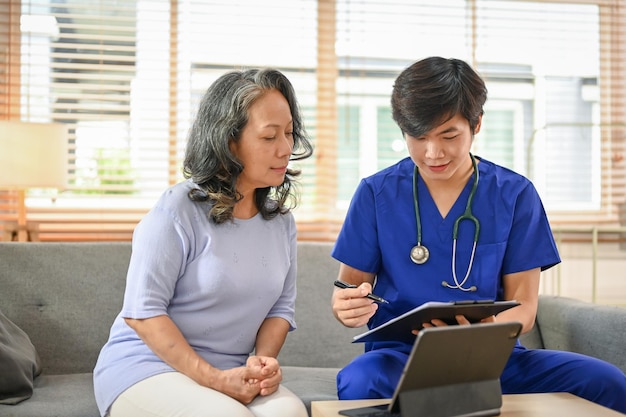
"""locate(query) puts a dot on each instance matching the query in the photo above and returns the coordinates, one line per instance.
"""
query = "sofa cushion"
(311, 384)
(70, 289)
(73, 396)
(58, 395)
(19, 363)
(320, 341)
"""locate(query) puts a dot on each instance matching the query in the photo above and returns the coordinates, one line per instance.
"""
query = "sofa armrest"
(578, 326)
(533, 339)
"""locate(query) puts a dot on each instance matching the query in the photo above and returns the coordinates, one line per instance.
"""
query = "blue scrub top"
(380, 229)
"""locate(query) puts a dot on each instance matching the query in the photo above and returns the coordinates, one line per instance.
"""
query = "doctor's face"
(442, 154)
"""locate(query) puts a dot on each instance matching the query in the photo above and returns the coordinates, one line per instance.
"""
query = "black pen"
(371, 296)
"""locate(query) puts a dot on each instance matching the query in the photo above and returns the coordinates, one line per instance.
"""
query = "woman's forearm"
(271, 336)
(165, 339)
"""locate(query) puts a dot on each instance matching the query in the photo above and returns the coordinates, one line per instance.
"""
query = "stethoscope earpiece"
(420, 254)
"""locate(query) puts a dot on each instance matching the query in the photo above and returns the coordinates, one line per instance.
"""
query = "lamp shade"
(33, 155)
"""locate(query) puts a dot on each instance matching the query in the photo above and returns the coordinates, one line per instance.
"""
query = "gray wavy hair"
(221, 117)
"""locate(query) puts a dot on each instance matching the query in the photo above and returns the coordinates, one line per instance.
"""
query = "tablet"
(400, 328)
(451, 371)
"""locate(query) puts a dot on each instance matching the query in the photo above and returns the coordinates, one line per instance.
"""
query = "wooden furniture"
(518, 405)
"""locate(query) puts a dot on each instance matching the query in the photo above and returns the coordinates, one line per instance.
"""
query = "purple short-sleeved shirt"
(216, 282)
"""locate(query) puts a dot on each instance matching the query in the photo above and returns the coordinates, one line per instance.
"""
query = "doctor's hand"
(351, 307)
(460, 319)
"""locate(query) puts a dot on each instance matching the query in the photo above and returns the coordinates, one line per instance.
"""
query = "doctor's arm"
(350, 305)
(524, 288)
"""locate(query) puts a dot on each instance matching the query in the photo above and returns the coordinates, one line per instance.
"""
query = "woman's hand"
(271, 374)
(261, 376)
(242, 383)
(165, 339)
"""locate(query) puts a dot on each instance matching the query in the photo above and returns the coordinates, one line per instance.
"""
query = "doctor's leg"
(373, 374)
(539, 370)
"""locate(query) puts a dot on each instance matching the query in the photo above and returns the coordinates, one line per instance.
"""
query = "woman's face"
(266, 143)
(442, 154)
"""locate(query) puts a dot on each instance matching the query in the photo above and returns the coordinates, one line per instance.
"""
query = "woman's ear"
(232, 146)
(480, 121)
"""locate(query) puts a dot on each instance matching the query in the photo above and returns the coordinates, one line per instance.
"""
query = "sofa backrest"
(319, 340)
(65, 296)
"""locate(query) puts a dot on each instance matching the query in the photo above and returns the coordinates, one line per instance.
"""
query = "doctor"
(446, 225)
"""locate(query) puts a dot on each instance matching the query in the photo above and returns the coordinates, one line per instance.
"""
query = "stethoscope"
(420, 253)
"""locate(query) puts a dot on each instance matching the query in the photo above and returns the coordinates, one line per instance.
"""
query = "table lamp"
(32, 155)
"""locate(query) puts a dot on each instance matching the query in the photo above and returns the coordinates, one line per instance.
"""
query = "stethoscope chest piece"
(419, 254)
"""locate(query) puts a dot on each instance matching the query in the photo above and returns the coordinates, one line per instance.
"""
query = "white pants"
(174, 394)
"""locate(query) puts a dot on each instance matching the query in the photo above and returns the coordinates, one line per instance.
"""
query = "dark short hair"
(221, 117)
(432, 91)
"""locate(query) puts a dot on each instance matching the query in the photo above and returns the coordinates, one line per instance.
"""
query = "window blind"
(126, 78)
(554, 71)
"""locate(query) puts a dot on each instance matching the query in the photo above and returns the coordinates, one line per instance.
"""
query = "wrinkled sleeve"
(531, 242)
(285, 305)
(357, 243)
(157, 261)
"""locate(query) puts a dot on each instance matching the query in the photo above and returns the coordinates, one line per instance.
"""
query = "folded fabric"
(19, 363)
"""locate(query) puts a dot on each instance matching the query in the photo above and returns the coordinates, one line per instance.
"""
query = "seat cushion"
(311, 384)
(57, 395)
(73, 396)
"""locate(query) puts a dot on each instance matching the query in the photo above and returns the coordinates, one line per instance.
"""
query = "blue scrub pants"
(376, 373)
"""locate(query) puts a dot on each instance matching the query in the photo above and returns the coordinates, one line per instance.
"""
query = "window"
(542, 62)
(556, 49)
(126, 78)
(349, 151)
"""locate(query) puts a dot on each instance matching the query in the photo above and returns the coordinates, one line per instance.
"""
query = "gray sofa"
(66, 295)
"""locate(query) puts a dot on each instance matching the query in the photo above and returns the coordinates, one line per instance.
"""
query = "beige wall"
(575, 276)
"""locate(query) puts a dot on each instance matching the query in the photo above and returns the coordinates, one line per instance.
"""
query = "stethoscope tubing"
(467, 215)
